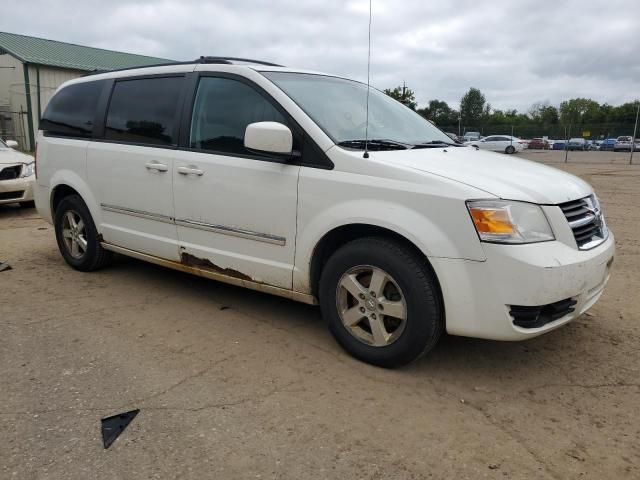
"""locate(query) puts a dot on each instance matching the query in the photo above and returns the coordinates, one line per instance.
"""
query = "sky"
(516, 52)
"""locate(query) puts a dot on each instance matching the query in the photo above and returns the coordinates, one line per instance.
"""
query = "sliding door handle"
(153, 165)
(190, 171)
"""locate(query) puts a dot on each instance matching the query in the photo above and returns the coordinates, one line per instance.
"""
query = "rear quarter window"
(71, 112)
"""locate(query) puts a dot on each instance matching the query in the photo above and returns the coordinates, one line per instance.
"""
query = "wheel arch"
(338, 236)
(65, 183)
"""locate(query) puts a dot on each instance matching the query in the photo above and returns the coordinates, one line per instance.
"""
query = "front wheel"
(510, 149)
(77, 237)
(381, 302)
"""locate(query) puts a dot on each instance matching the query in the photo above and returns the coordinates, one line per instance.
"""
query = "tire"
(90, 257)
(410, 285)
(29, 204)
(510, 149)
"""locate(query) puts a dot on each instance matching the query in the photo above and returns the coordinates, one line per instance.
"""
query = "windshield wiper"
(437, 144)
(375, 144)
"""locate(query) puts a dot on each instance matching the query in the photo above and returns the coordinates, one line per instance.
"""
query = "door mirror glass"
(11, 144)
(271, 137)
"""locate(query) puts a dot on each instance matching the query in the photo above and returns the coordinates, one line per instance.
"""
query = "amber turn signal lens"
(494, 221)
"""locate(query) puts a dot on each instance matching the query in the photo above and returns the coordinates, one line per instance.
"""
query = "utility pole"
(566, 143)
(633, 139)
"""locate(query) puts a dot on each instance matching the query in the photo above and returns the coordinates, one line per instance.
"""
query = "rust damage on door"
(205, 264)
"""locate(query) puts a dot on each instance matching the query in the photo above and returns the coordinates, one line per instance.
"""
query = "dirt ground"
(237, 384)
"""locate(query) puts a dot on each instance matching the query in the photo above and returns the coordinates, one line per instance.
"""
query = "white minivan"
(262, 176)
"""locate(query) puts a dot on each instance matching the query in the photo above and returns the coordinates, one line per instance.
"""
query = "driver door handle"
(190, 171)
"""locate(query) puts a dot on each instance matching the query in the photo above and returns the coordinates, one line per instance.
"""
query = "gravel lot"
(237, 384)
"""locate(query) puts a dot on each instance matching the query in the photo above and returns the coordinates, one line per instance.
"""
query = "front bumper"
(17, 190)
(478, 295)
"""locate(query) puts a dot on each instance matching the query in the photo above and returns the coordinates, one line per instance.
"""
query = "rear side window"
(223, 109)
(144, 111)
(72, 110)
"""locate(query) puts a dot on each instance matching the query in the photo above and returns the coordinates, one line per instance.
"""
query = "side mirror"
(271, 137)
(11, 144)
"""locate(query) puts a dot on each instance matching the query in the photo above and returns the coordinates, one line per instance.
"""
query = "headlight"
(504, 221)
(27, 169)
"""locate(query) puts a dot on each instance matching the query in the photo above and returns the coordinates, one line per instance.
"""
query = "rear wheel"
(381, 302)
(77, 237)
(510, 149)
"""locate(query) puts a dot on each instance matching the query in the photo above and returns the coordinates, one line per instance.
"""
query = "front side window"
(144, 111)
(72, 110)
(339, 107)
(223, 108)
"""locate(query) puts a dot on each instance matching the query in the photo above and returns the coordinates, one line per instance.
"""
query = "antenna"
(366, 130)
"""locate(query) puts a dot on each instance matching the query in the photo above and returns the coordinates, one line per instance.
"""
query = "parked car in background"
(16, 175)
(559, 144)
(623, 144)
(260, 180)
(471, 136)
(608, 144)
(577, 144)
(539, 144)
(499, 143)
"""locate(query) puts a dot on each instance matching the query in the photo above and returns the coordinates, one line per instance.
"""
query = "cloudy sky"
(517, 52)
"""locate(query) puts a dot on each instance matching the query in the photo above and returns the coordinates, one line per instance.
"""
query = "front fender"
(417, 227)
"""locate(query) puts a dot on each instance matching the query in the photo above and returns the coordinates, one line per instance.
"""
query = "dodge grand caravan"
(264, 177)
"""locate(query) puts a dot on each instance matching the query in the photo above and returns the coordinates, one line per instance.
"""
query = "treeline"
(581, 114)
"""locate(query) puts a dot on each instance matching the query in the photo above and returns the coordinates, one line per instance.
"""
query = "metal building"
(31, 69)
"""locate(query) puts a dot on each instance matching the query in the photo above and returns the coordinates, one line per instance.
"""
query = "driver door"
(235, 209)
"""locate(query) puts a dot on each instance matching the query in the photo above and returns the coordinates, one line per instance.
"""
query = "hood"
(504, 176)
(8, 156)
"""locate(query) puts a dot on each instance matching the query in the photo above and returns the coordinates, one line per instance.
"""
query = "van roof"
(217, 64)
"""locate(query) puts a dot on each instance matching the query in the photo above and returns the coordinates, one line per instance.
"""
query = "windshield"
(339, 107)
(2, 144)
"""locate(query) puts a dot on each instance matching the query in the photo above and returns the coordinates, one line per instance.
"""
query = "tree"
(549, 115)
(472, 106)
(403, 95)
(579, 110)
(439, 112)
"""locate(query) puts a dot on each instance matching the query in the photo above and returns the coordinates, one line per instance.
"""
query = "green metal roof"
(68, 55)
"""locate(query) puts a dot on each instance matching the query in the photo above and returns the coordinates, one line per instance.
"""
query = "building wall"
(11, 99)
(13, 93)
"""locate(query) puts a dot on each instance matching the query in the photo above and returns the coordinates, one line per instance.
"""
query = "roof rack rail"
(202, 59)
(230, 60)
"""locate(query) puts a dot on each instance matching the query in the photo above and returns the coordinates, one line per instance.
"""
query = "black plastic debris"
(4, 266)
(113, 426)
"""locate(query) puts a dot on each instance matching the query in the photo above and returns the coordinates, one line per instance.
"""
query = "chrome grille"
(586, 221)
(10, 173)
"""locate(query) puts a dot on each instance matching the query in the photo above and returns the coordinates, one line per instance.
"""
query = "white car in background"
(499, 143)
(16, 175)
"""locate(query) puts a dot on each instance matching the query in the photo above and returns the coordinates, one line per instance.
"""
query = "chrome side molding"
(183, 222)
(236, 232)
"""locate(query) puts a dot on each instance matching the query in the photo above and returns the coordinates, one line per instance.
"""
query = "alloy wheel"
(73, 234)
(371, 305)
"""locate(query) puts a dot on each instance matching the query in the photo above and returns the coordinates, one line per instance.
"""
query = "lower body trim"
(214, 275)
